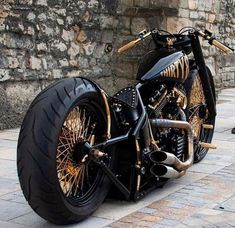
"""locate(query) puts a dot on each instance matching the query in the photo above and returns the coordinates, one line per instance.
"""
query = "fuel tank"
(174, 67)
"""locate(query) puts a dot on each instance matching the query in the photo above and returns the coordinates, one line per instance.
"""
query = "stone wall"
(45, 40)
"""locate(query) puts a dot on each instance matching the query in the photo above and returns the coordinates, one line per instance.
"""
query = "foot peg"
(208, 145)
(208, 126)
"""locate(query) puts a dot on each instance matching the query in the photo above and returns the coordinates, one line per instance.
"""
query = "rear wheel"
(59, 180)
(198, 115)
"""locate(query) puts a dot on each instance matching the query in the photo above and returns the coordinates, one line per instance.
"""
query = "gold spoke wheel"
(72, 165)
(198, 115)
(197, 99)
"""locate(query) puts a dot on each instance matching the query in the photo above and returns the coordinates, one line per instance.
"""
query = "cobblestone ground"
(204, 197)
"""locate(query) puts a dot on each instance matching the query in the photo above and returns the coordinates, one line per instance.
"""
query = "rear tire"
(49, 170)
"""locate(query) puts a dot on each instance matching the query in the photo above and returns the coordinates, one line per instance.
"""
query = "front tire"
(57, 177)
(197, 114)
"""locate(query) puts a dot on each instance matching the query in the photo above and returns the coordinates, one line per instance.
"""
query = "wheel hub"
(81, 151)
(202, 111)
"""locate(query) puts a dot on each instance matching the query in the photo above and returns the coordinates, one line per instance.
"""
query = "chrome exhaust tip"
(164, 171)
(162, 157)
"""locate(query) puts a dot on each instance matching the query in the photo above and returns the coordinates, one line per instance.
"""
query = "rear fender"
(109, 113)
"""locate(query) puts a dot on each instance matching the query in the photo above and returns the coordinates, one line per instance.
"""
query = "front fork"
(203, 73)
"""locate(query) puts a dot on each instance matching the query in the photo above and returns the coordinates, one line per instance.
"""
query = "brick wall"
(44, 40)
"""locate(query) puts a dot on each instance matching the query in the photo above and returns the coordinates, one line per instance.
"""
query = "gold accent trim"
(208, 145)
(179, 69)
(208, 126)
(169, 41)
(107, 109)
(138, 164)
(159, 101)
(98, 154)
(182, 100)
(152, 140)
(131, 44)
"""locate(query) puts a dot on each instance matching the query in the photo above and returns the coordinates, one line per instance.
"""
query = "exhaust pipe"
(162, 157)
(170, 159)
(165, 171)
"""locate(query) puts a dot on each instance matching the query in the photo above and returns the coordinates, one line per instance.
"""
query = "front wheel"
(198, 115)
(59, 180)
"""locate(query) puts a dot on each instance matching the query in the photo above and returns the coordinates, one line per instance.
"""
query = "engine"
(165, 104)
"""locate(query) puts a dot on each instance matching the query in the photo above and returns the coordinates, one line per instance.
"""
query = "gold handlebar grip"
(134, 42)
(128, 46)
(216, 43)
(221, 46)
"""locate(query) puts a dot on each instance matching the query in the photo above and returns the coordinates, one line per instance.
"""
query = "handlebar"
(134, 42)
(128, 45)
(206, 35)
(212, 41)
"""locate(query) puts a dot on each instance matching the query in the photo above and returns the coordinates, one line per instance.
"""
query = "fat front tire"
(58, 179)
(197, 114)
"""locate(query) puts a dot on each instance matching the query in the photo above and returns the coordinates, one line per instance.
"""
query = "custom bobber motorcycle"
(76, 142)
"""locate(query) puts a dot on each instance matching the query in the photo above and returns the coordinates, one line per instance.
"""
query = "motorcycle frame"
(142, 124)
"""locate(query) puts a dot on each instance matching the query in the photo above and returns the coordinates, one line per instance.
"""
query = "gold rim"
(197, 98)
(73, 173)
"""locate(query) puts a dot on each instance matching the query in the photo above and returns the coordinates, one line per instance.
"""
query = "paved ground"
(204, 197)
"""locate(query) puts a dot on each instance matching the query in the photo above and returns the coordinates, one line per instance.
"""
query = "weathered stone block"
(14, 93)
(194, 15)
(174, 24)
(3, 13)
(210, 5)
(73, 73)
(2, 24)
(202, 16)
(41, 2)
(183, 4)
(107, 36)
(4, 75)
(164, 3)
(13, 62)
(63, 63)
(61, 12)
(137, 25)
(201, 4)
(192, 4)
(59, 46)
(141, 3)
(35, 63)
(18, 41)
(89, 48)
(57, 74)
(31, 16)
(99, 51)
(26, 2)
(124, 69)
(73, 50)
(68, 35)
(41, 47)
(81, 36)
(124, 25)
(183, 13)
(60, 21)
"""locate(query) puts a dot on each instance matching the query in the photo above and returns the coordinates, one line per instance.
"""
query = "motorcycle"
(76, 142)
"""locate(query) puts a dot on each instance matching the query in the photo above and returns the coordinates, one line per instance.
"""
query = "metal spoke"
(197, 99)
(73, 176)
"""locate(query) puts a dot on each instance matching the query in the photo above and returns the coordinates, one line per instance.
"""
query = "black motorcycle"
(76, 142)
